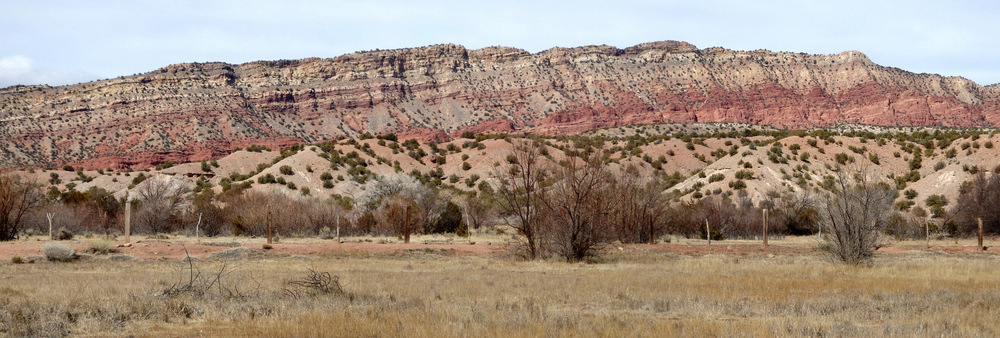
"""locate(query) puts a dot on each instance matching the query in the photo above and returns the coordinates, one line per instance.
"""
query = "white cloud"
(21, 70)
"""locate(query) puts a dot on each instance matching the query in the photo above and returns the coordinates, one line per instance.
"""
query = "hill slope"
(190, 112)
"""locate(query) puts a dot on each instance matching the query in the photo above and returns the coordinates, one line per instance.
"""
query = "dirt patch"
(176, 249)
(169, 249)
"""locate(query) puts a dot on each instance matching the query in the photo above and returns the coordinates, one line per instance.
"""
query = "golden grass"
(424, 294)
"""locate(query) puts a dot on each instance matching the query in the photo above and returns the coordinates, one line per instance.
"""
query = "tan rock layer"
(190, 112)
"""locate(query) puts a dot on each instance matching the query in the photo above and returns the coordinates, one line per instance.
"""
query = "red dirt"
(157, 249)
(166, 249)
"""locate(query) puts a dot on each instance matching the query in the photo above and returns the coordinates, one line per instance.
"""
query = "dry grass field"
(427, 292)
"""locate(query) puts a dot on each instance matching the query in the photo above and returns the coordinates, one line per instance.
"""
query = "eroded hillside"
(191, 112)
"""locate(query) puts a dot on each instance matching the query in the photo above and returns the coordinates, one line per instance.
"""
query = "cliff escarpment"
(190, 112)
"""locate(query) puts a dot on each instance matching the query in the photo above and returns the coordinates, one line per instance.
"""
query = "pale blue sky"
(61, 42)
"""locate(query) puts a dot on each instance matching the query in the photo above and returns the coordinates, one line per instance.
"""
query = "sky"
(65, 42)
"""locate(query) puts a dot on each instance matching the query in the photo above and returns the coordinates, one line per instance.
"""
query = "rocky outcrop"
(189, 112)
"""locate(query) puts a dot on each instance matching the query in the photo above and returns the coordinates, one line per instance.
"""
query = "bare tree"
(518, 191)
(479, 211)
(641, 209)
(17, 197)
(163, 200)
(324, 214)
(855, 215)
(578, 206)
(979, 198)
(213, 217)
(426, 206)
(107, 206)
(400, 216)
(796, 211)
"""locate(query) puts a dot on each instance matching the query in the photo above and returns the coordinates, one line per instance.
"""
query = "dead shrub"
(315, 283)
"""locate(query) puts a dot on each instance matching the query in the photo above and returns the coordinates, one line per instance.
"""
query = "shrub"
(326, 233)
(450, 219)
(716, 178)
(744, 174)
(17, 260)
(267, 247)
(101, 247)
(286, 170)
(64, 235)
(58, 252)
(854, 217)
(841, 158)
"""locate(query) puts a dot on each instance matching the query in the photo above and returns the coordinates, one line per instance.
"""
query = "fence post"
(980, 219)
(927, 231)
(128, 222)
(708, 232)
(765, 227)
(269, 227)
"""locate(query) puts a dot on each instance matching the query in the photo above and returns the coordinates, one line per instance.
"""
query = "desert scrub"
(101, 247)
(64, 235)
(326, 233)
(58, 252)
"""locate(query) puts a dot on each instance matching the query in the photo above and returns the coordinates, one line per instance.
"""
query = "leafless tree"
(323, 214)
(979, 198)
(254, 211)
(400, 215)
(795, 211)
(17, 197)
(578, 207)
(479, 211)
(855, 215)
(642, 207)
(163, 200)
(518, 191)
(426, 203)
(745, 219)
(107, 207)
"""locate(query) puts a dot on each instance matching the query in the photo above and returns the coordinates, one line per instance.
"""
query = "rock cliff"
(190, 112)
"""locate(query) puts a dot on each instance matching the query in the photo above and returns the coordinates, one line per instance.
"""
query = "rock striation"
(191, 112)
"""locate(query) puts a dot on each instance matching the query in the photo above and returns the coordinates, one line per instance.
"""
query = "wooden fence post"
(765, 227)
(980, 219)
(708, 232)
(128, 222)
(268, 227)
(927, 231)
(406, 226)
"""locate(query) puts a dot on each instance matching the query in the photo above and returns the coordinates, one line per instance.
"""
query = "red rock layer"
(190, 112)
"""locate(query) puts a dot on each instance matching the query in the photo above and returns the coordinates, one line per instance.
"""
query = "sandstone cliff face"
(190, 112)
